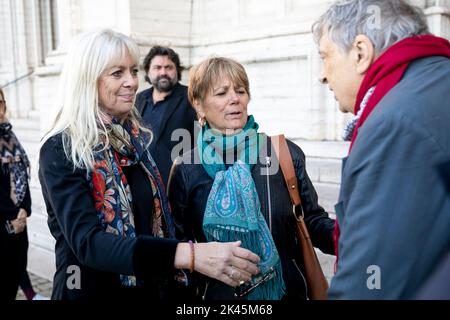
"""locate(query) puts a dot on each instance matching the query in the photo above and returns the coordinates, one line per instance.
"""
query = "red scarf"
(385, 73)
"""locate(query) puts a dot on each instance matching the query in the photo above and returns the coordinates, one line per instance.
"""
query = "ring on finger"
(232, 273)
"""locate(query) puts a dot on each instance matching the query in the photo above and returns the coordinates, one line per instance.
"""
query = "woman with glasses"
(229, 188)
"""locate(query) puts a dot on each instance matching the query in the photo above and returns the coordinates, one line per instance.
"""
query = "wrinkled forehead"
(327, 46)
(225, 77)
(324, 39)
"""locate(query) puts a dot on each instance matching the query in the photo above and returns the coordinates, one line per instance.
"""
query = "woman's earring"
(201, 120)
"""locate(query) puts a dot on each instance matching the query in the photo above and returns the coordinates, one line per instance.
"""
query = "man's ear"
(364, 53)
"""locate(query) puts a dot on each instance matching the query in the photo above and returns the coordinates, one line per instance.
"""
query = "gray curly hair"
(384, 22)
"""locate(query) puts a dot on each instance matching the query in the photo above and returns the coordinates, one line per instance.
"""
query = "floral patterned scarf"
(110, 189)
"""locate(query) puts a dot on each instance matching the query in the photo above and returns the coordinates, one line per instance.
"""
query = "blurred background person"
(165, 106)
(15, 206)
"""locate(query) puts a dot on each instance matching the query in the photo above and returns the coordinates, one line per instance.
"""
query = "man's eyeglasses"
(246, 288)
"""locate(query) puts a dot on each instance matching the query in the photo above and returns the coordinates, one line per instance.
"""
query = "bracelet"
(192, 265)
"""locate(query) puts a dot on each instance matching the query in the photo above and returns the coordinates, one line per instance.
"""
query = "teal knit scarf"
(233, 210)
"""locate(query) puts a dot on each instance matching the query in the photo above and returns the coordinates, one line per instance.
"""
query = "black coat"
(178, 115)
(81, 243)
(188, 192)
(437, 287)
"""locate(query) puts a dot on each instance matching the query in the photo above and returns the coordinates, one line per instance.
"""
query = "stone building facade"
(272, 38)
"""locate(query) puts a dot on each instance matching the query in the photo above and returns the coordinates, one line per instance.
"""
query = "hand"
(22, 214)
(227, 262)
(18, 225)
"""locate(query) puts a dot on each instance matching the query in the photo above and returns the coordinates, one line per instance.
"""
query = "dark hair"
(163, 51)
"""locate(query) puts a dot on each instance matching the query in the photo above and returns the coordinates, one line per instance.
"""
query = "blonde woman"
(106, 204)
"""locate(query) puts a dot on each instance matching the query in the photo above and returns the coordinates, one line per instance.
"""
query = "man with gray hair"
(393, 213)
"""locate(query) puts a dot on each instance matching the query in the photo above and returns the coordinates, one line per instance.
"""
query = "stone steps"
(27, 135)
(324, 170)
(323, 164)
(323, 149)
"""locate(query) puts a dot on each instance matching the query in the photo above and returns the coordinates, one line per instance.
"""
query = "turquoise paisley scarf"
(233, 210)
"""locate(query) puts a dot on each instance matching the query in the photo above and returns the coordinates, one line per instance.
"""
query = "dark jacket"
(178, 115)
(83, 248)
(437, 285)
(394, 210)
(188, 192)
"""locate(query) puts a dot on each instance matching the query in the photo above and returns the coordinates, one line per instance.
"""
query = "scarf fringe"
(272, 289)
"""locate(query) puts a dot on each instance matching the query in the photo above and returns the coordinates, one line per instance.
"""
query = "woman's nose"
(131, 81)
(234, 97)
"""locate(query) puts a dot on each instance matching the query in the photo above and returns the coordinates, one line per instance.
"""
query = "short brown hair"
(203, 76)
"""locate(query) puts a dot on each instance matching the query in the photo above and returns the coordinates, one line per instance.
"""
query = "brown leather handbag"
(315, 279)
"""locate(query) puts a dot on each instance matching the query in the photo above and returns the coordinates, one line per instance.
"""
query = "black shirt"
(142, 197)
(167, 119)
(154, 113)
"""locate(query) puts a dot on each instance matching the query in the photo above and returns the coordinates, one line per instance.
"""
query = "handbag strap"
(287, 168)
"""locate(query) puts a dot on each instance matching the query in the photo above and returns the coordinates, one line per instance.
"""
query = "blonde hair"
(79, 117)
(204, 75)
